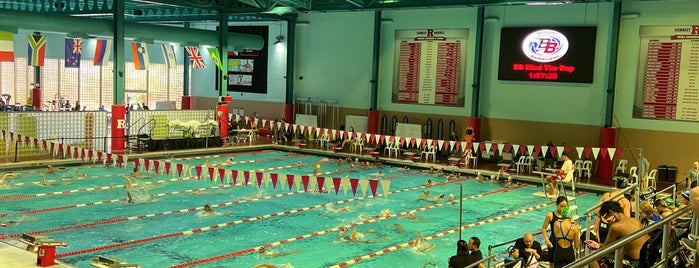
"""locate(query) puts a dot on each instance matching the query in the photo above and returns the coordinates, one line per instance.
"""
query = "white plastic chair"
(470, 156)
(578, 164)
(529, 164)
(633, 176)
(358, 144)
(324, 139)
(521, 163)
(431, 151)
(393, 148)
(650, 180)
(621, 168)
(587, 169)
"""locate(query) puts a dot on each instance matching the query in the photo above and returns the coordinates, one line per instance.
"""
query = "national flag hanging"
(36, 50)
(7, 48)
(169, 55)
(73, 52)
(195, 58)
(140, 55)
(102, 50)
(216, 57)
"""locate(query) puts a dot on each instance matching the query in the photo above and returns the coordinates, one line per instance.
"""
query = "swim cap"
(621, 183)
(565, 213)
(685, 193)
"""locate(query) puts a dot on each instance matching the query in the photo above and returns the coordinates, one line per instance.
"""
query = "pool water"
(93, 217)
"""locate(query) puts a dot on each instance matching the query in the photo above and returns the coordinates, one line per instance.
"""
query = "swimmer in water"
(424, 195)
(438, 198)
(7, 176)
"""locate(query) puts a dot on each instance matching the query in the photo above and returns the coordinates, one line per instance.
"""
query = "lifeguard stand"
(46, 253)
(104, 262)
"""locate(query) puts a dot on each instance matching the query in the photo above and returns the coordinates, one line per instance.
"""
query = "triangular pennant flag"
(595, 152)
(146, 164)
(580, 151)
(265, 179)
(212, 171)
(500, 147)
(82, 154)
(373, 184)
(336, 183)
(312, 183)
(611, 152)
(345, 184)
(179, 166)
(36, 143)
(221, 174)
(385, 186)
(246, 176)
(156, 166)
(423, 143)
(353, 184)
(275, 178)
(234, 176)
(550, 149)
(530, 149)
(290, 181)
(537, 149)
(321, 181)
(304, 180)
(559, 151)
(167, 168)
(297, 183)
(364, 183)
(259, 176)
(620, 152)
(507, 148)
(136, 162)
(99, 154)
(120, 160)
(198, 170)
(440, 144)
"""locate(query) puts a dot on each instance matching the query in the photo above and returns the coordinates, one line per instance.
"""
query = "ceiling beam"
(297, 4)
(358, 3)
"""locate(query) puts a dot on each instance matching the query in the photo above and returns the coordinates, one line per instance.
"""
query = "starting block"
(104, 262)
(46, 253)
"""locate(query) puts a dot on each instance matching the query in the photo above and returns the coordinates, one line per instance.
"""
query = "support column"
(607, 139)
(289, 113)
(36, 98)
(373, 122)
(186, 102)
(222, 114)
(118, 127)
(475, 124)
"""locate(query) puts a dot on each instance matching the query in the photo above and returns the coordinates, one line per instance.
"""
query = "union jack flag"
(195, 58)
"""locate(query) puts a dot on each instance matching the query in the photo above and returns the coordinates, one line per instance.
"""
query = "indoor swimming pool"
(284, 208)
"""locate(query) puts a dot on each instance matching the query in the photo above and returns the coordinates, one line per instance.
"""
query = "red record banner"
(666, 85)
(430, 66)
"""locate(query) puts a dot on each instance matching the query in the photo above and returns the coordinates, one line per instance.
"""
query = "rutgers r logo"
(545, 45)
(430, 32)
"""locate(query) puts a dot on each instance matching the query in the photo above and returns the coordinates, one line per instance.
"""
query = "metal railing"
(616, 246)
(486, 259)
(587, 213)
(491, 247)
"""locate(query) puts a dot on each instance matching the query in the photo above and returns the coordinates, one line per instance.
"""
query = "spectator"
(462, 258)
(567, 237)
(528, 250)
(621, 226)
